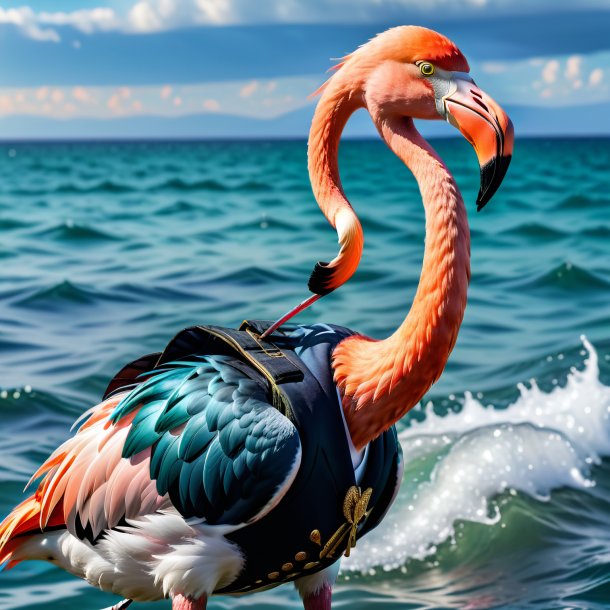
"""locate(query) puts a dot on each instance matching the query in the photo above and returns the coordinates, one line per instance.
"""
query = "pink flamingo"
(192, 477)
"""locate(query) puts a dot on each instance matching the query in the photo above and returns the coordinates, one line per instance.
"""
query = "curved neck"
(340, 99)
(381, 380)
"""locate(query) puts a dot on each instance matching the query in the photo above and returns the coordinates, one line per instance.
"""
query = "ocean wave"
(378, 225)
(57, 406)
(70, 231)
(49, 168)
(265, 222)
(567, 276)
(580, 202)
(178, 184)
(105, 186)
(542, 442)
(9, 224)
(181, 207)
(209, 184)
(599, 231)
(250, 276)
(142, 292)
(535, 230)
(58, 295)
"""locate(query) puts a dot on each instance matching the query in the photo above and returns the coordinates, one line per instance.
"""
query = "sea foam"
(540, 443)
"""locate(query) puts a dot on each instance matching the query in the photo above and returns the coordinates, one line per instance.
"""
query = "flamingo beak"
(486, 126)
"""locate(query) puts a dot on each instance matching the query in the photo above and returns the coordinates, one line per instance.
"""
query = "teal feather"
(150, 389)
(195, 438)
(142, 433)
(235, 450)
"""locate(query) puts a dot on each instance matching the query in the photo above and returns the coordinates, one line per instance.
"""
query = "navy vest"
(325, 511)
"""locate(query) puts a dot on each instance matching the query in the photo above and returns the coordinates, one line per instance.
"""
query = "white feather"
(309, 585)
(146, 560)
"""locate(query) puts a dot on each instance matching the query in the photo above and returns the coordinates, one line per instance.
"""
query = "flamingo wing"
(218, 449)
(197, 437)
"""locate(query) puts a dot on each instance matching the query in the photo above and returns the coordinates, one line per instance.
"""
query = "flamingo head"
(415, 72)
(410, 72)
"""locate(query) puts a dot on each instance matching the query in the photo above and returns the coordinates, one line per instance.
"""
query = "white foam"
(542, 442)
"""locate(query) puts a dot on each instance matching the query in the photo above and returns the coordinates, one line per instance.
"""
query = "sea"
(107, 249)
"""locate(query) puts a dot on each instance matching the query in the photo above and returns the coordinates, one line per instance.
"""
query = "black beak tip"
(482, 200)
(492, 174)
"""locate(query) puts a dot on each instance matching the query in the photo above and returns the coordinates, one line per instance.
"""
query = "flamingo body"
(193, 482)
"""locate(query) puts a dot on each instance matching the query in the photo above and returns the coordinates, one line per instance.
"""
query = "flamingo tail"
(20, 525)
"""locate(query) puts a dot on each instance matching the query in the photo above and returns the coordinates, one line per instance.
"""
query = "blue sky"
(150, 68)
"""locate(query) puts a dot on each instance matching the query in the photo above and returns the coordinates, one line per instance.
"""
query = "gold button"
(316, 537)
(273, 575)
(287, 567)
(311, 565)
(301, 556)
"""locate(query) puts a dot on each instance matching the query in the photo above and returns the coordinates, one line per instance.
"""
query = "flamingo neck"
(341, 97)
(380, 381)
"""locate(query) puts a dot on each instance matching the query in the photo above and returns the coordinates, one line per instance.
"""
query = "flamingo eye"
(426, 69)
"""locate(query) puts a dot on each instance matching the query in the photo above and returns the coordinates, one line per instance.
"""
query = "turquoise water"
(108, 249)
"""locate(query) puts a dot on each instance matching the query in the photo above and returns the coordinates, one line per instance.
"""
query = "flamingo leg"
(179, 602)
(320, 600)
(316, 590)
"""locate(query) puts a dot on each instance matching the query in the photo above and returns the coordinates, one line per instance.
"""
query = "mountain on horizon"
(528, 121)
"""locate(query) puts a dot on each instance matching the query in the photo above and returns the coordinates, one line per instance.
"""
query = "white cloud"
(6, 104)
(147, 16)
(27, 21)
(82, 94)
(494, 67)
(549, 72)
(573, 64)
(85, 20)
(144, 18)
(278, 96)
(41, 26)
(249, 89)
(567, 80)
(114, 103)
(211, 105)
(596, 77)
(42, 93)
(156, 15)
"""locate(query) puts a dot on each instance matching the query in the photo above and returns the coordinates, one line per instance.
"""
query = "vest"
(324, 512)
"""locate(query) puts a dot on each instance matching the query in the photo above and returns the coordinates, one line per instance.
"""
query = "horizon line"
(255, 138)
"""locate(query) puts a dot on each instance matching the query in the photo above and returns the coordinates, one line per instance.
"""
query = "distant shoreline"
(261, 139)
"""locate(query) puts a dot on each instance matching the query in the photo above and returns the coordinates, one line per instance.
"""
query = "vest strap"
(273, 365)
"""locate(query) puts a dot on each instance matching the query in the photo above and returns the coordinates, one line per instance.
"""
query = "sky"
(241, 68)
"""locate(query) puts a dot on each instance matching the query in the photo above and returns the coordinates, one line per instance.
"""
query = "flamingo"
(173, 486)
